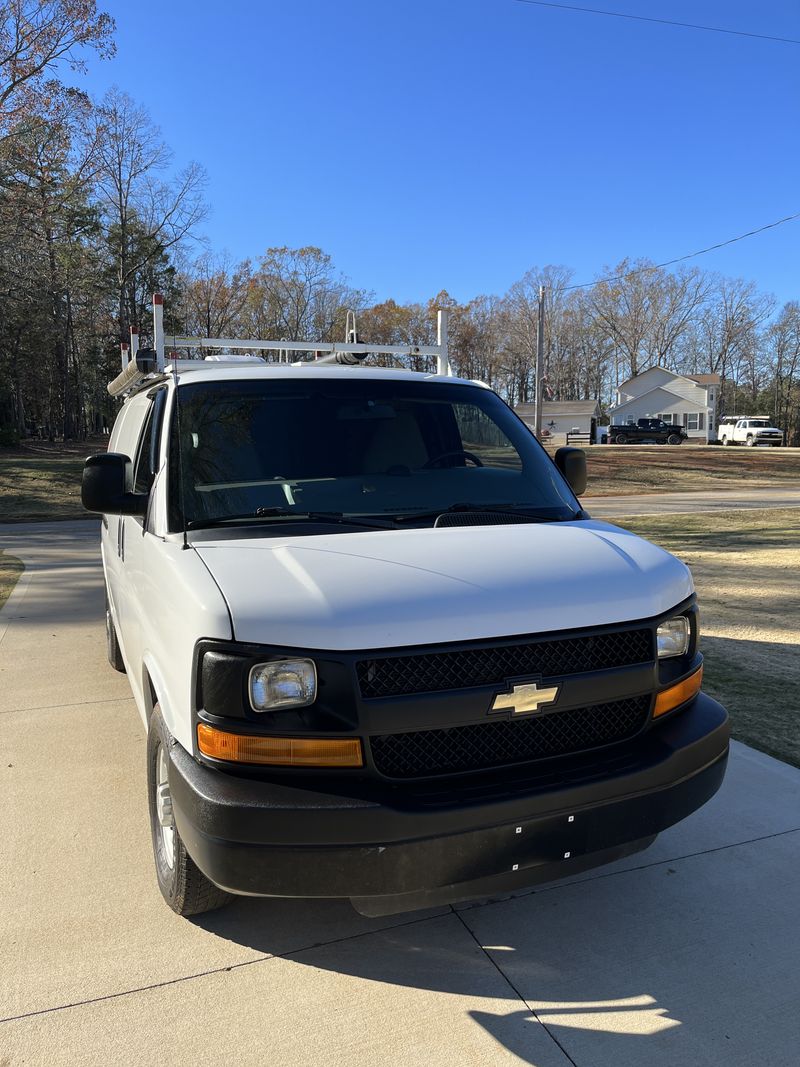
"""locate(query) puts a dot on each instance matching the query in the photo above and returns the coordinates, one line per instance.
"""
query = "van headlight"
(283, 683)
(672, 637)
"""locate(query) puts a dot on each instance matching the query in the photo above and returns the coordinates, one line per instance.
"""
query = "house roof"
(637, 401)
(561, 407)
(696, 378)
(705, 379)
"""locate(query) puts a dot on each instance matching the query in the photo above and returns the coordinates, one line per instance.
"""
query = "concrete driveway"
(685, 954)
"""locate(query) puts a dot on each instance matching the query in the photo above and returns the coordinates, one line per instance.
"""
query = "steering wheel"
(446, 455)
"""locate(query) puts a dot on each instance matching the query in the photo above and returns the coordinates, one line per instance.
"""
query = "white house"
(687, 399)
(560, 417)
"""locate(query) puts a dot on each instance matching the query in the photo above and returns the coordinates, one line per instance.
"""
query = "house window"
(694, 420)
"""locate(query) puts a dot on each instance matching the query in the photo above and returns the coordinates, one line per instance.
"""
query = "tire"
(674, 439)
(112, 644)
(183, 885)
(621, 439)
(750, 442)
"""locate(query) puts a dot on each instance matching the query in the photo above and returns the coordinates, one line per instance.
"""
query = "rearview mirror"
(572, 464)
(103, 486)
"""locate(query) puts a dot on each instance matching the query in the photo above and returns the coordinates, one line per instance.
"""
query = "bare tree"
(726, 331)
(215, 293)
(296, 294)
(522, 303)
(478, 333)
(675, 300)
(34, 36)
(622, 306)
(784, 341)
(145, 214)
(646, 312)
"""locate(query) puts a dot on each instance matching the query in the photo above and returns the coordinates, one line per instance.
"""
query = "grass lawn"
(10, 570)
(42, 482)
(745, 566)
(618, 470)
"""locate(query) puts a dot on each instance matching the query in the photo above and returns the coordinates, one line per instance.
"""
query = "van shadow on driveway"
(689, 960)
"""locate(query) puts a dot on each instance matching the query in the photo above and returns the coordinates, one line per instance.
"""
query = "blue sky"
(429, 145)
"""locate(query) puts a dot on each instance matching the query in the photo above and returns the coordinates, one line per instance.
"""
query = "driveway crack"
(511, 985)
(289, 954)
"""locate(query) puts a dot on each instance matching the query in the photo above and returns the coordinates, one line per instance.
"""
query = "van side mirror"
(572, 464)
(103, 486)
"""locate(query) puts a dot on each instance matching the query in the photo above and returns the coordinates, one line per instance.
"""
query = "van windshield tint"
(356, 448)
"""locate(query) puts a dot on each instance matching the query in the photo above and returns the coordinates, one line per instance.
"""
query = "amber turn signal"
(279, 751)
(678, 694)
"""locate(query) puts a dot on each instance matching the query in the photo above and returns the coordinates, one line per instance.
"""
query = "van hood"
(384, 589)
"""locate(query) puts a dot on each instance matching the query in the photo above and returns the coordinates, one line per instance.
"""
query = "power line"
(682, 259)
(662, 22)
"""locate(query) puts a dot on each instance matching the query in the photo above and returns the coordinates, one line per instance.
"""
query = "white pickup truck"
(380, 649)
(751, 431)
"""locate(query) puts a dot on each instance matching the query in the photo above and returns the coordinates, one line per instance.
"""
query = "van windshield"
(283, 447)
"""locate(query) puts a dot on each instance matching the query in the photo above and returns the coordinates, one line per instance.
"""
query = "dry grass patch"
(10, 570)
(745, 566)
(619, 470)
(43, 482)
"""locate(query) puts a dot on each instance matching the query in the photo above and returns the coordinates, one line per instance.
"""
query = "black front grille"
(507, 741)
(434, 672)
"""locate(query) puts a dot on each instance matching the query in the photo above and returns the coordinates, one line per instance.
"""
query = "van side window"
(149, 441)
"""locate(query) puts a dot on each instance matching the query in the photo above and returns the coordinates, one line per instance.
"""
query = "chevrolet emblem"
(524, 699)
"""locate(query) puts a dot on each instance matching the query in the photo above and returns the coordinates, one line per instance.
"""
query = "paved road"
(611, 507)
(685, 954)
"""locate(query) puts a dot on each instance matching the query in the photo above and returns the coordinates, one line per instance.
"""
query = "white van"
(381, 650)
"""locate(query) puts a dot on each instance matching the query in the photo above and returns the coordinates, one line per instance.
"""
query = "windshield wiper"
(500, 509)
(336, 517)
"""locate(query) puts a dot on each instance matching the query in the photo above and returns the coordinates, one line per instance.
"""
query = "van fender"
(156, 691)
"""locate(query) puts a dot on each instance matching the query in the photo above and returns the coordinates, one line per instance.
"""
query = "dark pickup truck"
(647, 431)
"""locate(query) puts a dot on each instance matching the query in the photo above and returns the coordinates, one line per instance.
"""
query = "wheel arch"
(155, 691)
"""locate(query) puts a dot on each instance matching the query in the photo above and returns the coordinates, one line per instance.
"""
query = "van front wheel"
(183, 885)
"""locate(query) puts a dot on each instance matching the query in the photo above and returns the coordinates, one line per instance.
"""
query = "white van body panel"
(416, 587)
(179, 603)
(176, 602)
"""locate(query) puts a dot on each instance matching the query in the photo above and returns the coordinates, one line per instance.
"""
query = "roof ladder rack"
(138, 364)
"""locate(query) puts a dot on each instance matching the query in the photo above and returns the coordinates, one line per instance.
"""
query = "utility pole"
(537, 422)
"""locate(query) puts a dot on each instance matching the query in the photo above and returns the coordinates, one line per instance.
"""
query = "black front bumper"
(402, 852)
